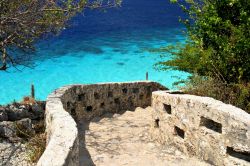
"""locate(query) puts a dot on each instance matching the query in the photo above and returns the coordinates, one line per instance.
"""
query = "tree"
(218, 42)
(22, 22)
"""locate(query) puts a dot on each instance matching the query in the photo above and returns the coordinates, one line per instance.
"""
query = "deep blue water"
(100, 47)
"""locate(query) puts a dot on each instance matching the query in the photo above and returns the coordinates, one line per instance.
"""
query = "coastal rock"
(14, 130)
(14, 154)
(24, 127)
(3, 114)
(18, 111)
(8, 131)
(36, 111)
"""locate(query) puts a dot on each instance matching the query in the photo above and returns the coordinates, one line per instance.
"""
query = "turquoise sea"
(109, 46)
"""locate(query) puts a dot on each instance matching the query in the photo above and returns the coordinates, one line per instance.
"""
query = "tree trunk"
(4, 57)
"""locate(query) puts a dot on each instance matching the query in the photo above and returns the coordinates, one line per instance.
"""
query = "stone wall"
(87, 101)
(83, 102)
(203, 127)
(62, 134)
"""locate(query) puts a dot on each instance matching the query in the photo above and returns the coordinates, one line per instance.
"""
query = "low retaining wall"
(200, 126)
(83, 102)
(62, 134)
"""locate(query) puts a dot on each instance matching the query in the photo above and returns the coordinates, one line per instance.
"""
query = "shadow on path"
(84, 156)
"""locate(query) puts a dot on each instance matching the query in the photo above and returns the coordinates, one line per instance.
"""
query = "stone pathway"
(117, 140)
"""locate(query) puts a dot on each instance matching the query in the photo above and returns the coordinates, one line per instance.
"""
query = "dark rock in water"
(116, 50)
(3, 114)
(138, 51)
(107, 58)
(120, 63)
(93, 50)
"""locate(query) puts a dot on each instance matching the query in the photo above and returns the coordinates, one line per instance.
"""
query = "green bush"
(235, 94)
(216, 52)
(218, 42)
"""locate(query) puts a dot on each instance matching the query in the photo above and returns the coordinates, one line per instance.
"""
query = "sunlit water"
(107, 46)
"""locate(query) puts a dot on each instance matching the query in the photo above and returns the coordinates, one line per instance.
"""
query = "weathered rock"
(24, 127)
(14, 154)
(36, 111)
(38, 126)
(14, 130)
(8, 131)
(18, 111)
(3, 114)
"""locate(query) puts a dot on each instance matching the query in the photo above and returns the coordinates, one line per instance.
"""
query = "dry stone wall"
(200, 126)
(83, 102)
(87, 101)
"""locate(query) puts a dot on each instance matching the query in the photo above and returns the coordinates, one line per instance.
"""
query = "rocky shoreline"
(19, 123)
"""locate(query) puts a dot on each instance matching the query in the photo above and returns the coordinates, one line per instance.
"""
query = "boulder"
(8, 131)
(19, 111)
(3, 114)
(16, 112)
(24, 128)
(13, 131)
(36, 112)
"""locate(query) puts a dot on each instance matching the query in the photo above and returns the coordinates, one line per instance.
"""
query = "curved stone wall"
(200, 126)
(62, 134)
(83, 102)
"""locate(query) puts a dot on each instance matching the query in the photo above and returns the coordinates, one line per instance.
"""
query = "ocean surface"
(100, 46)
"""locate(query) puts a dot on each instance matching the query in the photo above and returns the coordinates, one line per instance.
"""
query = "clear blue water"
(109, 46)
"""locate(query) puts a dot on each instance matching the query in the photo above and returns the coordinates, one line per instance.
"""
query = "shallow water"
(109, 46)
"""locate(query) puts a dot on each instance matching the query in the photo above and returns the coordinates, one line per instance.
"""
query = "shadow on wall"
(84, 156)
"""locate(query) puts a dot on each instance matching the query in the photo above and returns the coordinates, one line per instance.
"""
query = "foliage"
(218, 42)
(235, 94)
(22, 22)
(36, 146)
(36, 142)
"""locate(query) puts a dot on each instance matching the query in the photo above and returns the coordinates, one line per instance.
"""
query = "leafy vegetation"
(235, 94)
(217, 48)
(218, 40)
(22, 22)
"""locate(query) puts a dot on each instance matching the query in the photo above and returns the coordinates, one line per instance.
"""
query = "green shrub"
(235, 94)
(217, 50)
(218, 42)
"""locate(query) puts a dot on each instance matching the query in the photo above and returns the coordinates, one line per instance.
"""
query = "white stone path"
(124, 140)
